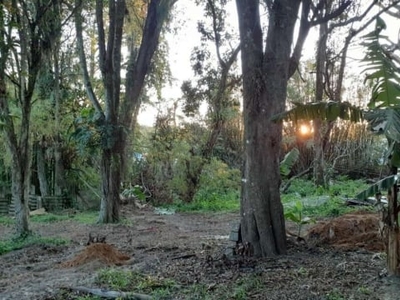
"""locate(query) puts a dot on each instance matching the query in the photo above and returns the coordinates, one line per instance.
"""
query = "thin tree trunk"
(392, 229)
(319, 159)
(41, 170)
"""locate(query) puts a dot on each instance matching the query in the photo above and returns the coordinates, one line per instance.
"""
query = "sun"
(304, 129)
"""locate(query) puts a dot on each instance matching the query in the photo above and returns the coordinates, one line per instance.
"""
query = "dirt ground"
(189, 248)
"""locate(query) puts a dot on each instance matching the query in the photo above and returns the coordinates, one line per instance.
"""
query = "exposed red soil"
(349, 232)
(102, 252)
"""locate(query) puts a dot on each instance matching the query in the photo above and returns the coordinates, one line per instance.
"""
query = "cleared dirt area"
(189, 249)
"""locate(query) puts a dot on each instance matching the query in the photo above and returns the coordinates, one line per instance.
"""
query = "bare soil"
(189, 248)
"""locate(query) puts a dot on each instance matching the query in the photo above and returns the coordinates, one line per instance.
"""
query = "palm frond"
(382, 72)
(324, 110)
(382, 185)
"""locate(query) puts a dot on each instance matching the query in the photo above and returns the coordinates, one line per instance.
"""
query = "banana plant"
(288, 161)
(384, 78)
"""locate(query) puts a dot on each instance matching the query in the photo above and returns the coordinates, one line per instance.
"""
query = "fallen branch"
(110, 294)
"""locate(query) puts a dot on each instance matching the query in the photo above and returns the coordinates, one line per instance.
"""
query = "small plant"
(295, 214)
(135, 191)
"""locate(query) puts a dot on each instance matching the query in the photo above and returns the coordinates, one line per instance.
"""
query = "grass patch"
(86, 217)
(6, 220)
(49, 218)
(12, 244)
(123, 280)
(213, 202)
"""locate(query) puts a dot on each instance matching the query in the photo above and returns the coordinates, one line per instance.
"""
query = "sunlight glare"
(304, 129)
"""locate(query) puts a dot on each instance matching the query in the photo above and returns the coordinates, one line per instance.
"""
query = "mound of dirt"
(102, 252)
(349, 232)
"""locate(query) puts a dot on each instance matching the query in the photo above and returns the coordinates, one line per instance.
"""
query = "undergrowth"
(320, 202)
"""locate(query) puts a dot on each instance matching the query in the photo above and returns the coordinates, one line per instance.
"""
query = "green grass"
(212, 202)
(8, 245)
(49, 218)
(86, 217)
(6, 221)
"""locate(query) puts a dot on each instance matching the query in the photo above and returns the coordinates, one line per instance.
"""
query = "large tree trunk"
(20, 197)
(111, 178)
(265, 79)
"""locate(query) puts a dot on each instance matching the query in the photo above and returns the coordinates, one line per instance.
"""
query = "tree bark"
(319, 159)
(391, 221)
(111, 178)
(41, 169)
(265, 78)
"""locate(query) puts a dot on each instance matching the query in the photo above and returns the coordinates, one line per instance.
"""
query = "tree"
(266, 70)
(114, 121)
(27, 33)
(330, 68)
(214, 85)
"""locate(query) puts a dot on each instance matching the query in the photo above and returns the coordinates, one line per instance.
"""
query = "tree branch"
(334, 14)
(82, 59)
(216, 33)
(303, 33)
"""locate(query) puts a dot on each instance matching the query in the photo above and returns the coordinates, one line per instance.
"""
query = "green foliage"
(212, 203)
(288, 161)
(329, 111)
(219, 190)
(383, 73)
(382, 185)
(8, 245)
(134, 191)
(218, 178)
(295, 214)
(318, 202)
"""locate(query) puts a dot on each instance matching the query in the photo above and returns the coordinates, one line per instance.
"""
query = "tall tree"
(214, 85)
(28, 30)
(266, 70)
(115, 118)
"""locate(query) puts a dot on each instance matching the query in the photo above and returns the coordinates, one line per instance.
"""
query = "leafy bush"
(318, 202)
(218, 191)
